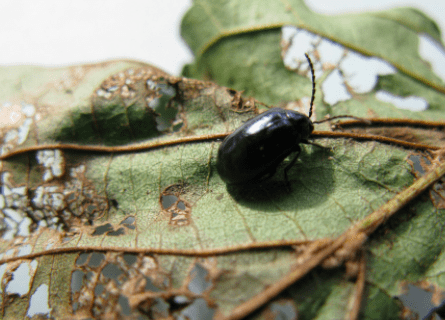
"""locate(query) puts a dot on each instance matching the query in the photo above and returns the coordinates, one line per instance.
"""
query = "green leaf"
(244, 52)
(412, 19)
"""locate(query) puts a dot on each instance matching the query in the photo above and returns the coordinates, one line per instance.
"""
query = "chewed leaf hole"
(125, 306)
(409, 103)
(142, 99)
(96, 259)
(130, 259)
(433, 53)
(53, 163)
(39, 302)
(350, 73)
(421, 298)
(181, 205)
(162, 104)
(159, 309)
(150, 286)
(199, 282)
(174, 206)
(111, 271)
(55, 203)
(102, 229)
(198, 310)
(129, 222)
(110, 230)
(82, 259)
(437, 194)
(117, 232)
(109, 283)
(21, 278)
(421, 164)
(168, 201)
(76, 280)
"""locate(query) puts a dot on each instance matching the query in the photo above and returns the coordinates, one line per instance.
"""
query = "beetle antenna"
(313, 98)
(313, 83)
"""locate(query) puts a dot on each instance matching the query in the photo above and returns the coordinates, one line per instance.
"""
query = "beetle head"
(302, 124)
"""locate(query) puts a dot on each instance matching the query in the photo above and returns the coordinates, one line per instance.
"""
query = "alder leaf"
(111, 205)
(245, 52)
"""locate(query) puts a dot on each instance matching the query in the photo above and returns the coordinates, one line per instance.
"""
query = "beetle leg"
(286, 169)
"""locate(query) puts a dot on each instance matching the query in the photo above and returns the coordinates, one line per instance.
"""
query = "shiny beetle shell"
(255, 149)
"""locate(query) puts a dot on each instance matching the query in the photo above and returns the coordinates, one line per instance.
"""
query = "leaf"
(111, 199)
(243, 52)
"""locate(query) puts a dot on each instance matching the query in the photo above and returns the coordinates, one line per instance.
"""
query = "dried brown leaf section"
(129, 84)
(63, 198)
(115, 284)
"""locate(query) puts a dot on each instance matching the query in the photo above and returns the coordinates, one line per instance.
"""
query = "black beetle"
(254, 150)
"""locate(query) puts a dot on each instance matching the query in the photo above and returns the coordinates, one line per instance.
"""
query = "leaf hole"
(181, 205)
(90, 275)
(181, 300)
(350, 73)
(412, 103)
(171, 203)
(130, 259)
(112, 271)
(96, 259)
(199, 282)
(168, 200)
(77, 278)
(125, 305)
(198, 310)
(20, 283)
(129, 222)
(99, 289)
(100, 230)
(160, 309)
(150, 286)
(39, 302)
(419, 298)
(117, 232)
(420, 164)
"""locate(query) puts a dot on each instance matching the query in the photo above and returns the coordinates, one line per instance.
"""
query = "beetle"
(254, 150)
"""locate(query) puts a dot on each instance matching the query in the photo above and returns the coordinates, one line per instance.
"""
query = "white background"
(54, 32)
